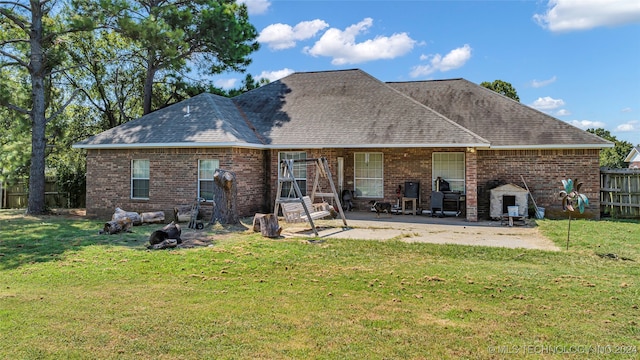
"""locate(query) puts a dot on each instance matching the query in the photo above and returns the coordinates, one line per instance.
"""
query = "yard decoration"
(572, 199)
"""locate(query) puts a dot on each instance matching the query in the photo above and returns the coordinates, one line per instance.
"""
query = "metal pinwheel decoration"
(572, 199)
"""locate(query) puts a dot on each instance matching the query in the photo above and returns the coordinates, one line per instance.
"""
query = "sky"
(576, 60)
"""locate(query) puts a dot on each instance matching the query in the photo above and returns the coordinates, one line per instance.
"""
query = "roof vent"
(188, 112)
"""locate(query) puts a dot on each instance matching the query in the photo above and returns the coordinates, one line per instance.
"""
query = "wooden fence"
(16, 196)
(620, 192)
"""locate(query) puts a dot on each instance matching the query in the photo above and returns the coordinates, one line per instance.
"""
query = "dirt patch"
(195, 238)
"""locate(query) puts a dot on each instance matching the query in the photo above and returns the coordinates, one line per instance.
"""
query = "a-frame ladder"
(285, 175)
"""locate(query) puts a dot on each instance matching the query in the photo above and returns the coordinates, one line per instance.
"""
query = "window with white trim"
(299, 172)
(450, 167)
(206, 168)
(368, 175)
(139, 179)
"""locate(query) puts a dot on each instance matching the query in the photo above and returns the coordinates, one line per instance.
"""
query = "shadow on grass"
(29, 239)
(25, 239)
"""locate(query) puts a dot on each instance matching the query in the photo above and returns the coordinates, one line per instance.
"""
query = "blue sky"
(577, 60)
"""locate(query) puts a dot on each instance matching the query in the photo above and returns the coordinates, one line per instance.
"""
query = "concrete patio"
(424, 228)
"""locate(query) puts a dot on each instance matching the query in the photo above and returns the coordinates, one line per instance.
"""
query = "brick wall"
(543, 171)
(173, 179)
(400, 166)
(174, 176)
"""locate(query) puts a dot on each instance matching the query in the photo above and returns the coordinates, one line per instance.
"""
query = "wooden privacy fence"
(16, 196)
(620, 192)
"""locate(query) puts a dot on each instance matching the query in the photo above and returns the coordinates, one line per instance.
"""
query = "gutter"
(552, 147)
(270, 147)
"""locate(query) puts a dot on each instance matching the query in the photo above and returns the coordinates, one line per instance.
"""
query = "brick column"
(471, 174)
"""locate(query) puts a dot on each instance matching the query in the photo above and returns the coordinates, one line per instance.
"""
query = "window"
(206, 168)
(139, 179)
(368, 175)
(450, 167)
(299, 172)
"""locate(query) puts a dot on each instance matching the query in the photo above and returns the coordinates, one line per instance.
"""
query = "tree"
(502, 87)
(109, 78)
(613, 157)
(172, 35)
(32, 38)
(14, 127)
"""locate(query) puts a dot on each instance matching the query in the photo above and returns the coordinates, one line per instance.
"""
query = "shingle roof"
(203, 120)
(347, 108)
(497, 118)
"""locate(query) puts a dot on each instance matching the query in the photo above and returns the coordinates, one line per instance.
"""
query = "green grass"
(67, 292)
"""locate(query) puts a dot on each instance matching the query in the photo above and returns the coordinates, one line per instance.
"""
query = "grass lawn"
(68, 293)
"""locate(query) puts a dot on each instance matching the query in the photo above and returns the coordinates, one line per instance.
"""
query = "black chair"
(437, 202)
(347, 200)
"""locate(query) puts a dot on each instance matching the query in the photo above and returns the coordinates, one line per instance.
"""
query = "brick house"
(633, 158)
(376, 136)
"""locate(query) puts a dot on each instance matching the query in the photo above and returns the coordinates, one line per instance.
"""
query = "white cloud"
(563, 112)
(542, 83)
(343, 48)
(632, 125)
(567, 15)
(275, 75)
(256, 7)
(626, 110)
(547, 103)
(453, 60)
(587, 124)
(226, 83)
(283, 36)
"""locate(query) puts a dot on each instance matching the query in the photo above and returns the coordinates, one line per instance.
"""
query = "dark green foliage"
(613, 157)
(502, 87)
(171, 35)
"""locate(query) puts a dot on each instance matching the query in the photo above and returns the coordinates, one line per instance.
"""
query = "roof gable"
(634, 155)
(497, 118)
(509, 188)
(346, 108)
(203, 120)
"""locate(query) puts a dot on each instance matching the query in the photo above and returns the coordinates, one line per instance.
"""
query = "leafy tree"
(14, 127)
(32, 40)
(613, 157)
(213, 34)
(502, 87)
(248, 84)
(110, 79)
